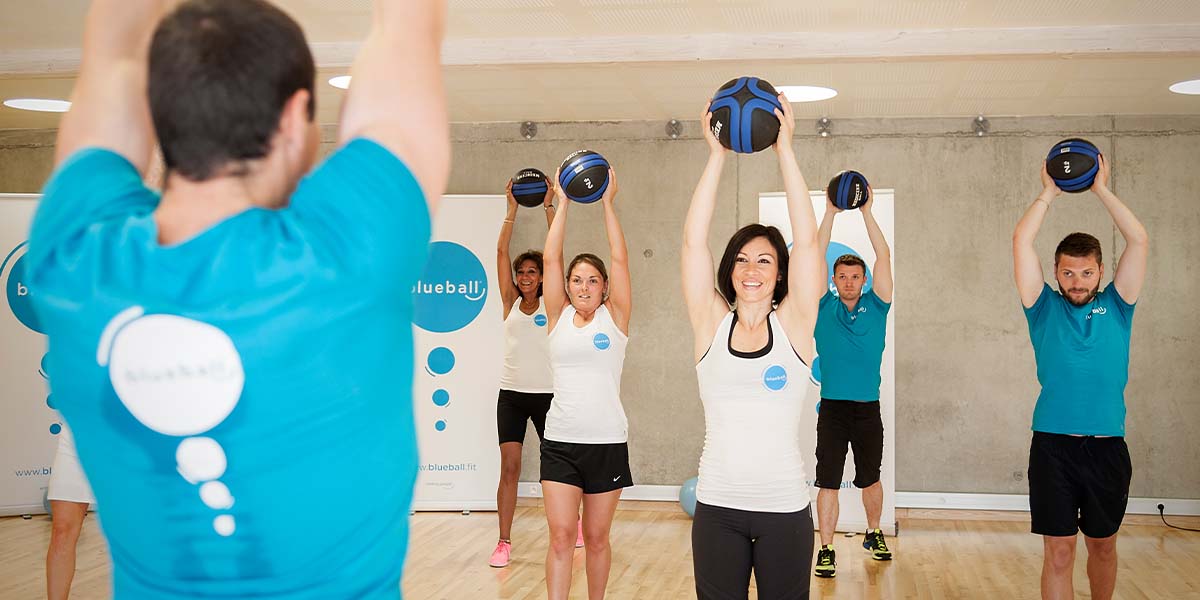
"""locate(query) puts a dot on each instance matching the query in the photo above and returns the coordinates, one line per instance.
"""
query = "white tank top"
(526, 351)
(752, 458)
(587, 363)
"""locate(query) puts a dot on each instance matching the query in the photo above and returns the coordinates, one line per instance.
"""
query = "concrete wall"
(965, 373)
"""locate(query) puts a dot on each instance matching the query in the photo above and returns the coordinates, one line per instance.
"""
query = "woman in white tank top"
(585, 457)
(526, 384)
(752, 362)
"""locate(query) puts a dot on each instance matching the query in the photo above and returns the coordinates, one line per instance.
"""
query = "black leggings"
(728, 543)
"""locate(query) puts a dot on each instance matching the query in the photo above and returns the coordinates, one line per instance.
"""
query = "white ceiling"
(513, 60)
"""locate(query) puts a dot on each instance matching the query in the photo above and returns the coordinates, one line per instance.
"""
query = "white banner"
(850, 237)
(458, 354)
(29, 426)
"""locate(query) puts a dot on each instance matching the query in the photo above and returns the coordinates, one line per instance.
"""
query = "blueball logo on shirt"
(601, 341)
(1099, 310)
(775, 378)
(452, 290)
(539, 320)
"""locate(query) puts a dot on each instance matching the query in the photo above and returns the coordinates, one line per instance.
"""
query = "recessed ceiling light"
(807, 93)
(38, 104)
(1191, 87)
(340, 82)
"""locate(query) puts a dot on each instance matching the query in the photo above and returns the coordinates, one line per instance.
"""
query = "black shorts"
(514, 408)
(727, 544)
(595, 468)
(858, 424)
(1078, 484)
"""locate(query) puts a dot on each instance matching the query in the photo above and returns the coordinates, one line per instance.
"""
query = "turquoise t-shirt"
(850, 344)
(1082, 357)
(241, 401)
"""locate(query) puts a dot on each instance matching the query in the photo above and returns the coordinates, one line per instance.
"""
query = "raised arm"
(110, 107)
(508, 289)
(1027, 269)
(548, 204)
(554, 282)
(806, 277)
(1131, 268)
(620, 290)
(705, 306)
(882, 273)
(825, 233)
(396, 94)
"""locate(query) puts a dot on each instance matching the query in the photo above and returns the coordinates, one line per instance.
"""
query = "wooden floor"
(939, 554)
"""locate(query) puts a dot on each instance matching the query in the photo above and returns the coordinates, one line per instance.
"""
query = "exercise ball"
(687, 497)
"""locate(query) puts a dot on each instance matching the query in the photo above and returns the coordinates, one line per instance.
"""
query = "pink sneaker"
(501, 554)
(579, 535)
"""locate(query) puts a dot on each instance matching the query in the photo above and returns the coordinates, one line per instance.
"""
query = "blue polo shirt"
(1082, 357)
(242, 400)
(850, 344)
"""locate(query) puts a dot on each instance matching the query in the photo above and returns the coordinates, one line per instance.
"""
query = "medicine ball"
(1073, 164)
(584, 176)
(848, 190)
(529, 187)
(743, 115)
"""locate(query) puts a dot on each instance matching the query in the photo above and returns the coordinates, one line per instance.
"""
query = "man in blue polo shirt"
(234, 356)
(851, 325)
(1079, 468)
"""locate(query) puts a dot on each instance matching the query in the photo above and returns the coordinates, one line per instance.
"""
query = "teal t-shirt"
(850, 344)
(1082, 357)
(241, 401)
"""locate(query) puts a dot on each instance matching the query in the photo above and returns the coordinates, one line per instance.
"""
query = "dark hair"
(1079, 245)
(850, 260)
(590, 259)
(736, 243)
(220, 74)
(536, 257)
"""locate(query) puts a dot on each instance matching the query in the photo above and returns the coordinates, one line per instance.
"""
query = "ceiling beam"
(820, 46)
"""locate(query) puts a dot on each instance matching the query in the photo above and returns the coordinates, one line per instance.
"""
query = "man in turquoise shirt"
(851, 325)
(235, 355)
(1079, 468)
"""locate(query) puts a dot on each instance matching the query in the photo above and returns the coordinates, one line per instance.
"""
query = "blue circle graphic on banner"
(20, 297)
(452, 290)
(601, 341)
(441, 397)
(539, 320)
(55, 429)
(440, 361)
(440, 426)
(775, 378)
(832, 253)
(814, 374)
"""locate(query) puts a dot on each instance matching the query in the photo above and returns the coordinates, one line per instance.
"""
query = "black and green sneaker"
(826, 562)
(876, 546)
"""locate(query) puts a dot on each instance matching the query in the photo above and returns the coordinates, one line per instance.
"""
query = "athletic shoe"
(501, 554)
(876, 546)
(579, 535)
(826, 562)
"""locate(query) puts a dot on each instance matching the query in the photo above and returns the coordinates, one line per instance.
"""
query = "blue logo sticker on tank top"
(601, 341)
(539, 320)
(775, 378)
